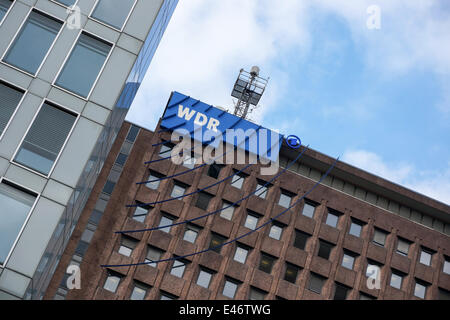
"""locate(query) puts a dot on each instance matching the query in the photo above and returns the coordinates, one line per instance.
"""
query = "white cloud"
(208, 42)
(435, 184)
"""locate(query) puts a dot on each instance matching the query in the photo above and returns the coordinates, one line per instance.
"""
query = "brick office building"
(320, 249)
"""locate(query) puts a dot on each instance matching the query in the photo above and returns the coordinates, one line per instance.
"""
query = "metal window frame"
(63, 24)
(7, 12)
(18, 88)
(63, 5)
(106, 24)
(57, 105)
(94, 84)
(38, 195)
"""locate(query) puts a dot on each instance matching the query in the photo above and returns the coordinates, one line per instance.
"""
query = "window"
(216, 242)
(141, 212)
(228, 212)
(45, 138)
(256, 294)
(340, 291)
(203, 200)
(167, 296)
(165, 150)
(308, 209)
(132, 133)
(396, 279)
(316, 283)
(285, 199)
(83, 65)
(403, 247)
(191, 233)
(379, 237)
(108, 188)
(139, 291)
(113, 12)
(204, 278)
(276, 231)
(112, 281)
(127, 246)
(348, 260)
(420, 290)
(266, 263)
(301, 238)
(446, 268)
(332, 218)
(241, 253)
(325, 249)
(178, 268)
(443, 294)
(153, 254)
(355, 228)
(261, 189)
(16, 204)
(230, 288)
(178, 190)
(121, 159)
(291, 273)
(238, 180)
(33, 41)
(4, 7)
(251, 221)
(214, 170)
(425, 257)
(363, 296)
(9, 100)
(67, 3)
(166, 220)
(154, 177)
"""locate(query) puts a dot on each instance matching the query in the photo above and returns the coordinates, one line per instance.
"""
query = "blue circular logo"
(293, 142)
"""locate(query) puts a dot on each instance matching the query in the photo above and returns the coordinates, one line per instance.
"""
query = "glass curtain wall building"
(69, 71)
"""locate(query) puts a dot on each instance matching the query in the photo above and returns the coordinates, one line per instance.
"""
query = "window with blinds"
(16, 204)
(9, 100)
(33, 42)
(83, 65)
(45, 138)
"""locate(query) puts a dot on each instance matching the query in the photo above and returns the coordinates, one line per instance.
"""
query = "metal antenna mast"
(248, 89)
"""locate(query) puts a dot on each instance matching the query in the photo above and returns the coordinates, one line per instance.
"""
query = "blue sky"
(378, 98)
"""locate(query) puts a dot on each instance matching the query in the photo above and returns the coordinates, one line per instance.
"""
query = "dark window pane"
(95, 217)
(9, 100)
(203, 200)
(121, 159)
(216, 240)
(84, 64)
(132, 133)
(291, 273)
(379, 237)
(256, 294)
(325, 249)
(340, 292)
(300, 239)
(266, 263)
(33, 42)
(109, 187)
(214, 170)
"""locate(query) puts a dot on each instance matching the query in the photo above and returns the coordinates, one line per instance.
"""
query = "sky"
(376, 95)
